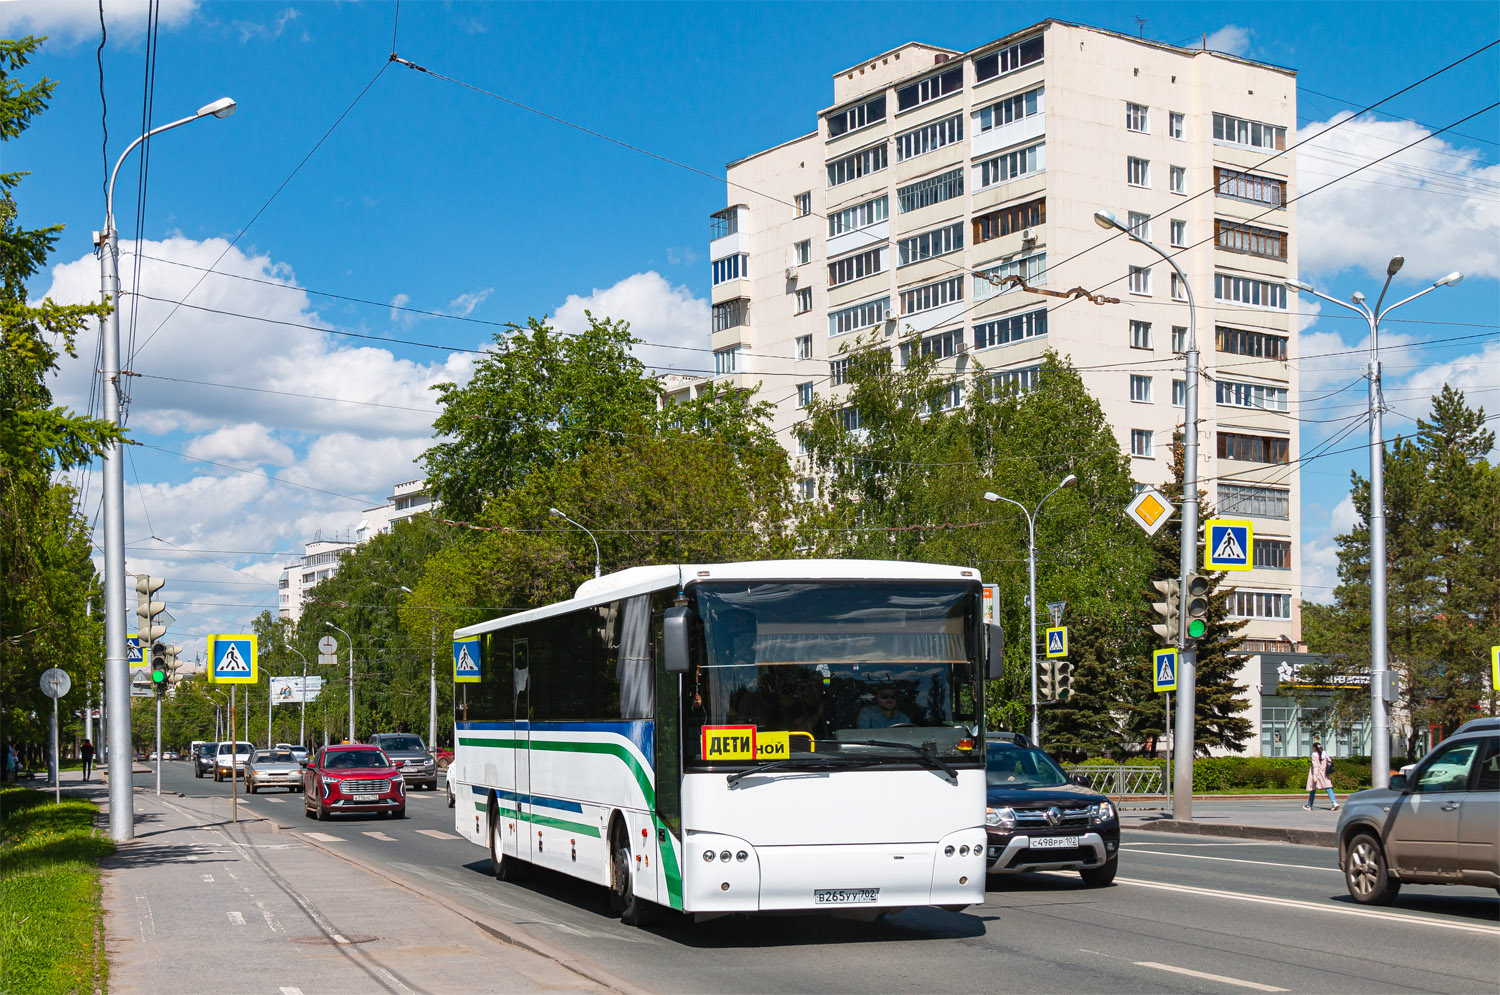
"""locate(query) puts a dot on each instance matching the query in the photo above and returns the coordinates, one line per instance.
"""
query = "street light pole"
(1380, 736)
(302, 719)
(432, 674)
(1187, 655)
(116, 667)
(351, 677)
(1068, 481)
(557, 514)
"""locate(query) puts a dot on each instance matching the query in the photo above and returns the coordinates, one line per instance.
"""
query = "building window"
(857, 316)
(859, 216)
(726, 360)
(1249, 293)
(730, 268)
(1174, 125)
(855, 267)
(804, 252)
(1140, 388)
(856, 117)
(1140, 335)
(1031, 269)
(838, 372)
(931, 88)
(1008, 60)
(1012, 328)
(731, 314)
(807, 489)
(804, 303)
(1140, 442)
(1273, 554)
(1177, 179)
(1248, 499)
(1140, 224)
(804, 342)
(932, 295)
(1017, 381)
(1016, 108)
(1008, 166)
(1140, 280)
(1236, 236)
(804, 395)
(1138, 172)
(849, 417)
(804, 204)
(934, 190)
(930, 244)
(1248, 187)
(951, 397)
(943, 346)
(1260, 604)
(1179, 234)
(1261, 345)
(1010, 219)
(1179, 339)
(1179, 393)
(1253, 448)
(855, 165)
(725, 222)
(1179, 289)
(1238, 394)
(929, 138)
(1251, 134)
(1137, 118)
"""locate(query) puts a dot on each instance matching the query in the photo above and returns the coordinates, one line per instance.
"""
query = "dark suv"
(1440, 824)
(408, 753)
(203, 758)
(1039, 819)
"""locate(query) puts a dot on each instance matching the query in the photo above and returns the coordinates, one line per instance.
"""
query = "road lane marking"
(290, 990)
(324, 837)
(275, 801)
(438, 834)
(1209, 977)
(1313, 906)
(1238, 860)
(238, 918)
(208, 878)
(1175, 843)
(382, 837)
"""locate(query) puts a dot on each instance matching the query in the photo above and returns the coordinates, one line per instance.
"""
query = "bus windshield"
(833, 669)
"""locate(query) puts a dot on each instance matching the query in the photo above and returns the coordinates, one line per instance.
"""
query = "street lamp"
(1187, 655)
(351, 677)
(557, 514)
(1069, 481)
(116, 667)
(1380, 738)
(301, 719)
(431, 676)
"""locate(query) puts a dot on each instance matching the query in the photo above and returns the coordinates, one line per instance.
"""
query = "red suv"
(352, 778)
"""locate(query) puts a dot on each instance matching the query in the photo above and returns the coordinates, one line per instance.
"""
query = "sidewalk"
(197, 905)
(1259, 817)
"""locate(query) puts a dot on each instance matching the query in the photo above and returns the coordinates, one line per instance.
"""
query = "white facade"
(935, 169)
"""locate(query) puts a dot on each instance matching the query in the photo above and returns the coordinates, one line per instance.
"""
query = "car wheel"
(632, 910)
(451, 800)
(399, 813)
(249, 786)
(1366, 873)
(217, 778)
(306, 812)
(1098, 877)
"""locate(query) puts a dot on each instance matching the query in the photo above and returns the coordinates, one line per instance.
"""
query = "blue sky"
(436, 197)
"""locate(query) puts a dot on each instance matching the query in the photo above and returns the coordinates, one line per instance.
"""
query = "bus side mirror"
(677, 624)
(996, 668)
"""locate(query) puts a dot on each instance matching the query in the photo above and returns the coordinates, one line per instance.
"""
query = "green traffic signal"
(1196, 628)
(158, 675)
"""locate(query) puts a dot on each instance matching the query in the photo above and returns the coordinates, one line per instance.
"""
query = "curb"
(1278, 834)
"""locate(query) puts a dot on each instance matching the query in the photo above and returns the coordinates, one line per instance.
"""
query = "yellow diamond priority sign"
(1150, 510)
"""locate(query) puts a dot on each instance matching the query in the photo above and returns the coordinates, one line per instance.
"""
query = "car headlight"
(1004, 817)
(1103, 812)
(329, 780)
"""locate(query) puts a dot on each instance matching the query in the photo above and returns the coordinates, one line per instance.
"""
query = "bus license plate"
(367, 798)
(845, 896)
(1053, 842)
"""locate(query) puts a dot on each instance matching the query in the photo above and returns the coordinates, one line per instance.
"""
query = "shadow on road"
(1477, 908)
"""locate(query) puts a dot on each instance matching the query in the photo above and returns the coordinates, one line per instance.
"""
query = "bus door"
(521, 663)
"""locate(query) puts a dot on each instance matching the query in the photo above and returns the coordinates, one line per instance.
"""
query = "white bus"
(738, 737)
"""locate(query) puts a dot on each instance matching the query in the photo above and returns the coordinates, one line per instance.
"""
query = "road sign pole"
(1167, 735)
(234, 747)
(158, 746)
(56, 766)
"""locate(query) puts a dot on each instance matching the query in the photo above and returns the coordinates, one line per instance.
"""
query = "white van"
(231, 759)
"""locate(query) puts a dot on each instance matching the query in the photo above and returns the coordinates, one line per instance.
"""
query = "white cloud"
(464, 304)
(1231, 38)
(397, 303)
(1320, 556)
(1434, 203)
(1476, 374)
(241, 444)
(71, 21)
(1327, 359)
(672, 323)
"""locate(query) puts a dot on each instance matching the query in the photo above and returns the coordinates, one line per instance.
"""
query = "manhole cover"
(336, 940)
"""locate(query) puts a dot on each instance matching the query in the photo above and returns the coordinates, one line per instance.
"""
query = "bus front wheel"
(623, 901)
(506, 867)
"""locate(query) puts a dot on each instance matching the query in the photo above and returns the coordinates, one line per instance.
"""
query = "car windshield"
(355, 759)
(273, 757)
(1007, 765)
(828, 668)
(227, 748)
(400, 743)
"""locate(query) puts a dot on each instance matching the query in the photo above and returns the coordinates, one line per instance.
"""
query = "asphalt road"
(1185, 915)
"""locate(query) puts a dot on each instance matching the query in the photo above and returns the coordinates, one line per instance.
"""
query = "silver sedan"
(273, 769)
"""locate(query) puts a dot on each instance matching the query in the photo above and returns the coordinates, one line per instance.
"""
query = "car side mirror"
(995, 668)
(1398, 782)
(677, 625)
(1082, 780)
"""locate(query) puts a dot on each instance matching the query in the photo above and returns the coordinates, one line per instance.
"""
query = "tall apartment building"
(935, 169)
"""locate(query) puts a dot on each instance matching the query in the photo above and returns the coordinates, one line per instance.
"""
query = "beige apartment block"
(934, 169)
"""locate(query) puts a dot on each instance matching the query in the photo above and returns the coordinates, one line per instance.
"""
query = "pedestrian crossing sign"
(1230, 544)
(233, 659)
(133, 654)
(1057, 642)
(466, 660)
(1164, 670)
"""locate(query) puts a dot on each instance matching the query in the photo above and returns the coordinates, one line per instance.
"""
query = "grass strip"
(50, 904)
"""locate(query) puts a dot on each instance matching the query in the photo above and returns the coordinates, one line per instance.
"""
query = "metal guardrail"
(1124, 782)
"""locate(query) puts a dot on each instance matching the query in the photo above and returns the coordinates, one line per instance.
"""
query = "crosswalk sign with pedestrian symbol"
(1164, 670)
(233, 659)
(1057, 642)
(466, 660)
(1230, 544)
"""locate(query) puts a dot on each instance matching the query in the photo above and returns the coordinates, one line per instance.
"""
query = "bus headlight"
(1003, 817)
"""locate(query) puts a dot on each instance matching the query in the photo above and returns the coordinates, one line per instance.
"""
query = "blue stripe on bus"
(539, 800)
(641, 732)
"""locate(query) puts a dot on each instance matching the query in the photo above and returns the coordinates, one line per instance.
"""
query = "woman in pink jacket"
(1317, 777)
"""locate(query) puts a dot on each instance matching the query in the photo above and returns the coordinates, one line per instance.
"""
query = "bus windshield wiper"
(920, 751)
(809, 762)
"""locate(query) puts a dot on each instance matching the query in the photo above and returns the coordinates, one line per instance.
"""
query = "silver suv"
(1439, 824)
(408, 753)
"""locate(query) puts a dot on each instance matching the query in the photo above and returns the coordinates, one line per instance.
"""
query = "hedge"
(1258, 773)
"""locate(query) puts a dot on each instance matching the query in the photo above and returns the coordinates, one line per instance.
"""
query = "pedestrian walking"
(1319, 768)
(87, 752)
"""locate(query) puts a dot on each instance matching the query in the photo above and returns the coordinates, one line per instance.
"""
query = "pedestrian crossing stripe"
(1057, 642)
(1230, 544)
(233, 659)
(1164, 670)
(466, 659)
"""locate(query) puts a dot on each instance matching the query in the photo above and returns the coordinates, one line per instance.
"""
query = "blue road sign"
(1057, 642)
(133, 654)
(1229, 545)
(233, 659)
(466, 660)
(1164, 670)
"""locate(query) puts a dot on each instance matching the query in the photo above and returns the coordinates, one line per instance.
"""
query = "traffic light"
(1196, 605)
(1045, 680)
(1064, 680)
(151, 627)
(1170, 609)
(164, 667)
